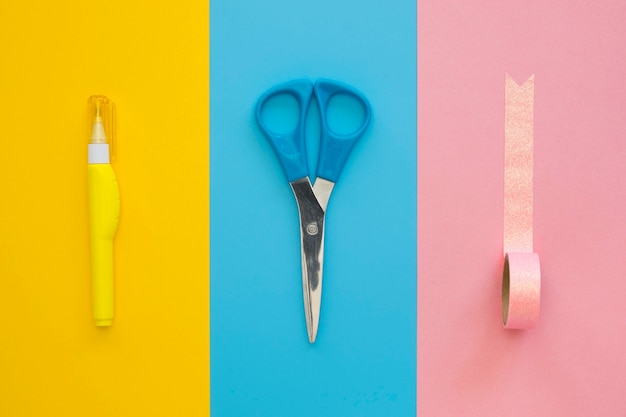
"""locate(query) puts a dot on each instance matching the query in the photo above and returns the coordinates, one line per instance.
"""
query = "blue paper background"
(363, 363)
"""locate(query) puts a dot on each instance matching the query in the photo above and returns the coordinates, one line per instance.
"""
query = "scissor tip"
(312, 335)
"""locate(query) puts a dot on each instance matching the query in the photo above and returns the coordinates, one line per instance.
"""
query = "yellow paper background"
(152, 60)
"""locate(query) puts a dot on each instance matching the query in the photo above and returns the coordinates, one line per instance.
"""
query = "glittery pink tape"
(521, 283)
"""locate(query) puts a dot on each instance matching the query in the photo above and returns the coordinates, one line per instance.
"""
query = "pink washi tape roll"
(521, 280)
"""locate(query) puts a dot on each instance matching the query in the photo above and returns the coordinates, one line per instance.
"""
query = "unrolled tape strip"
(521, 280)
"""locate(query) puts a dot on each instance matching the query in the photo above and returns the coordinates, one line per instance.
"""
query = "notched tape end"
(508, 79)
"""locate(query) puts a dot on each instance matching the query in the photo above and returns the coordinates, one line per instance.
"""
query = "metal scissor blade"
(312, 248)
(322, 190)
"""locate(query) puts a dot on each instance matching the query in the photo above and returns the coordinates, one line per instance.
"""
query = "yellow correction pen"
(104, 208)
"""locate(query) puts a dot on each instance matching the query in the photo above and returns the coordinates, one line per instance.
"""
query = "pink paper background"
(573, 363)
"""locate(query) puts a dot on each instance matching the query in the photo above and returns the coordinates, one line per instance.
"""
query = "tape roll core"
(521, 289)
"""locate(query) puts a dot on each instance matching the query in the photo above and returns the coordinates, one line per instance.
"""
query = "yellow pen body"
(104, 210)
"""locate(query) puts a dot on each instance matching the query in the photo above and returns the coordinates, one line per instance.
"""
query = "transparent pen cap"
(101, 121)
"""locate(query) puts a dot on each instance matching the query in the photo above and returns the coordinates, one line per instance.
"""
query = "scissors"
(312, 200)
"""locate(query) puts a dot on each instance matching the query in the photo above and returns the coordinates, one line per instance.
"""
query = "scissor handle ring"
(325, 90)
(290, 147)
(336, 147)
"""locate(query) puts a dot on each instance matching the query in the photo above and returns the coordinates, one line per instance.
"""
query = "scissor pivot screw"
(312, 229)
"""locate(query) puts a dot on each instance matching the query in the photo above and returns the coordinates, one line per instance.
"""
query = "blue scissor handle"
(335, 147)
(290, 148)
